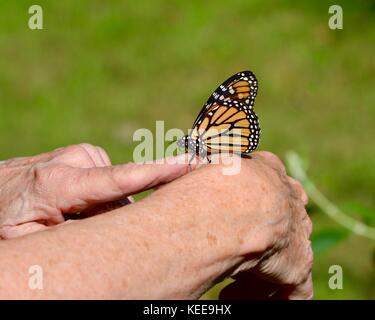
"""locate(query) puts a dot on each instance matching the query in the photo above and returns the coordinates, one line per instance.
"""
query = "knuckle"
(299, 190)
(273, 160)
(42, 174)
(309, 225)
(79, 153)
(104, 155)
(100, 149)
(116, 174)
(81, 148)
(306, 263)
(91, 148)
(302, 269)
(85, 145)
(310, 256)
(128, 167)
(71, 149)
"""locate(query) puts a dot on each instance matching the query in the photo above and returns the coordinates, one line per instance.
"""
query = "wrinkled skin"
(256, 220)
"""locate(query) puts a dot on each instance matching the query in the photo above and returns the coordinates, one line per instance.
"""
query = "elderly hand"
(37, 191)
(251, 225)
(283, 270)
(255, 218)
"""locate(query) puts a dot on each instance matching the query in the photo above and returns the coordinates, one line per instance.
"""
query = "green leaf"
(356, 208)
(326, 239)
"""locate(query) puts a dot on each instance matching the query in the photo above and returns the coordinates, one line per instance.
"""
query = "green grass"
(100, 70)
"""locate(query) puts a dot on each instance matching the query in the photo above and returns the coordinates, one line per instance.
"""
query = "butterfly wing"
(227, 122)
(228, 129)
(240, 89)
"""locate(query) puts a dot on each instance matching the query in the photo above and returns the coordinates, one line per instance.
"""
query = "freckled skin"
(175, 243)
(212, 239)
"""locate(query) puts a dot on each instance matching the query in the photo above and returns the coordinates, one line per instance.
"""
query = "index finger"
(78, 188)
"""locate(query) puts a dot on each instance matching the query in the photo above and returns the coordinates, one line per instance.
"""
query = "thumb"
(8, 232)
(78, 188)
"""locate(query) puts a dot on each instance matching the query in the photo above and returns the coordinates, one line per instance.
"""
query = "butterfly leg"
(190, 160)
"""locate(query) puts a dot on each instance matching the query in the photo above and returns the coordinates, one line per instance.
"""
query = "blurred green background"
(101, 69)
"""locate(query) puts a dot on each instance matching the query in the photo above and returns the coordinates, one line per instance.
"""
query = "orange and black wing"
(223, 128)
(239, 89)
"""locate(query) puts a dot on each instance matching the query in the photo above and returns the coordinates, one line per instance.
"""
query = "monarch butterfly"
(227, 121)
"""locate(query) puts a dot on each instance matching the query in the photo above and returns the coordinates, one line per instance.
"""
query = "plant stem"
(296, 169)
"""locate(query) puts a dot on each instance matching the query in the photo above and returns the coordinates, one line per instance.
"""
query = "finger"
(83, 155)
(301, 194)
(84, 187)
(97, 155)
(21, 230)
(308, 225)
(98, 209)
(104, 156)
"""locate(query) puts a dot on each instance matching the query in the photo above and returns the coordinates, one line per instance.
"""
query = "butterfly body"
(227, 121)
(193, 146)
